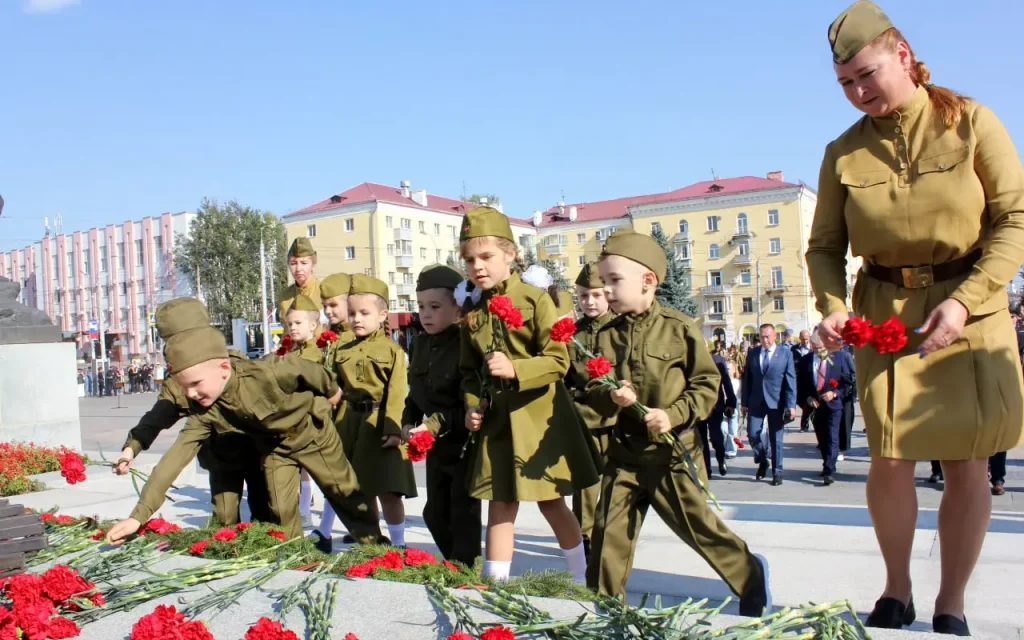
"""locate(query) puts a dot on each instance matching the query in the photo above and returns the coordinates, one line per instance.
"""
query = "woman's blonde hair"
(948, 103)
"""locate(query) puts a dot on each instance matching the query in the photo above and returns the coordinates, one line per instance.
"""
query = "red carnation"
(61, 628)
(242, 526)
(326, 338)
(25, 590)
(514, 320)
(65, 520)
(890, 336)
(598, 367)
(285, 346)
(61, 584)
(274, 533)
(97, 535)
(350, 636)
(416, 557)
(857, 332)
(392, 560)
(48, 517)
(833, 383)
(498, 633)
(419, 444)
(563, 330)
(72, 467)
(34, 620)
(267, 629)
(450, 566)
(166, 622)
(362, 570)
(500, 306)
(738, 442)
(198, 548)
(458, 635)
(225, 535)
(159, 526)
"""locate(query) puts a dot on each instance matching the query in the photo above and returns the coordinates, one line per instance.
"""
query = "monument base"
(39, 394)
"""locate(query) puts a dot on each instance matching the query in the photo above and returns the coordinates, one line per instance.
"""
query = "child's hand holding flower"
(500, 366)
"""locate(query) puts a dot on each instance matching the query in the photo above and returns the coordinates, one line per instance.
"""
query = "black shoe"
(828, 480)
(935, 478)
(776, 479)
(890, 613)
(348, 539)
(948, 625)
(323, 544)
(762, 471)
(723, 468)
(757, 601)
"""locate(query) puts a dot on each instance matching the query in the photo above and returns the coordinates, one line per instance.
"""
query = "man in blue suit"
(821, 385)
(768, 394)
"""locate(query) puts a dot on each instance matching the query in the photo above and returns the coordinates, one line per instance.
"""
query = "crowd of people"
(116, 380)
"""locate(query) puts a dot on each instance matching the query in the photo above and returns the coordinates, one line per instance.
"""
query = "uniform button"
(941, 167)
(899, 129)
(666, 355)
(864, 183)
(903, 165)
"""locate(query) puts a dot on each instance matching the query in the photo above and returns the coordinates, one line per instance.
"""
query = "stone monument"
(38, 376)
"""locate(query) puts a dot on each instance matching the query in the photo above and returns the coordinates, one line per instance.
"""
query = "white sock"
(576, 560)
(397, 533)
(305, 497)
(497, 569)
(326, 521)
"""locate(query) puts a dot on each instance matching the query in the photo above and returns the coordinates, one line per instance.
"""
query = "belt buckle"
(917, 277)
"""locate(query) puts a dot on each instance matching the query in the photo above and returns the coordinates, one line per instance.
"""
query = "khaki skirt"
(965, 401)
(378, 470)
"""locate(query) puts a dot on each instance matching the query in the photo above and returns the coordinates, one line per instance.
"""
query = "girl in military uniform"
(334, 296)
(372, 373)
(928, 188)
(435, 404)
(530, 445)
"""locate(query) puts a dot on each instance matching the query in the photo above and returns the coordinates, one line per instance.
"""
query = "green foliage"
(492, 199)
(222, 250)
(675, 291)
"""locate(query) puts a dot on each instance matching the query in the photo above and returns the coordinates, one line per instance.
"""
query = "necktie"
(821, 376)
(764, 360)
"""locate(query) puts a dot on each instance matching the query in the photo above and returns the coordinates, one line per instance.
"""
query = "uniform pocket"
(864, 179)
(942, 161)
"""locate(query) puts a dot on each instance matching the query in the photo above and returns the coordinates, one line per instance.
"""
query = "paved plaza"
(818, 540)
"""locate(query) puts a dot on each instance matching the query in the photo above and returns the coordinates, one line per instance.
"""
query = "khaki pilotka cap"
(485, 221)
(638, 248)
(180, 314)
(336, 284)
(368, 284)
(589, 277)
(195, 346)
(303, 303)
(857, 27)
(438, 276)
(301, 248)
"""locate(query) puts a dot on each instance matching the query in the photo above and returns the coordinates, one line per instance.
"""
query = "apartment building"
(741, 240)
(107, 280)
(387, 232)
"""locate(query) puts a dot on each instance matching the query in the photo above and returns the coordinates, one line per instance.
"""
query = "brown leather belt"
(924, 276)
(364, 406)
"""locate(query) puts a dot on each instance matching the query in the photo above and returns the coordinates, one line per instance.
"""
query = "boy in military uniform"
(284, 404)
(372, 371)
(230, 458)
(661, 358)
(301, 263)
(596, 314)
(435, 403)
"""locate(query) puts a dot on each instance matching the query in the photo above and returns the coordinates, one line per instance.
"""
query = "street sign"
(94, 329)
(276, 329)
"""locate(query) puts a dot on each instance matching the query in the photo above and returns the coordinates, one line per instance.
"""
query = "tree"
(492, 199)
(675, 291)
(221, 256)
(455, 264)
(553, 267)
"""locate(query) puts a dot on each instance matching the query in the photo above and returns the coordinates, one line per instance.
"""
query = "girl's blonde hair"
(949, 104)
(472, 318)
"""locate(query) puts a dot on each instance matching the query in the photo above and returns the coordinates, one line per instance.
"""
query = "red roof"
(373, 192)
(613, 209)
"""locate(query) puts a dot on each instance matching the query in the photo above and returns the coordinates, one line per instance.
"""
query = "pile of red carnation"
(166, 622)
(229, 534)
(395, 561)
(888, 337)
(502, 307)
(71, 466)
(326, 338)
(33, 603)
(419, 444)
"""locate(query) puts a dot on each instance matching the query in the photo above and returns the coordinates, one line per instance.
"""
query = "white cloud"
(48, 6)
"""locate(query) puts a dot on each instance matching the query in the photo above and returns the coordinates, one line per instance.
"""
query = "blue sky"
(115, 109)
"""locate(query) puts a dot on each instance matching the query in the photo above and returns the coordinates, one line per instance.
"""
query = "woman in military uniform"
(928, 188)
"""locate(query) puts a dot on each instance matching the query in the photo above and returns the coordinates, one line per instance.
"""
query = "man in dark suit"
(801, 349)
(712, 427)
(821, 383)
(849, 399)
(768, 395)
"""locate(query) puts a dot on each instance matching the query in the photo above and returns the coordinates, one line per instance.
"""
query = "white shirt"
(816, 365)
(766, 356)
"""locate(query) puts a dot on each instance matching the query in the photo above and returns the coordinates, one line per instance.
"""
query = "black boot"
(324, 544)
(776, 479)
(950, 625)
(890, 613)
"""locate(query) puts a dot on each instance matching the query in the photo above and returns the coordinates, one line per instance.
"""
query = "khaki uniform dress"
(374, 379)
(230, 457)
(904, 191)
(531, 446)
(452, 516)
(584, 503)
(311, 290)
(281, 403)
(663, 354)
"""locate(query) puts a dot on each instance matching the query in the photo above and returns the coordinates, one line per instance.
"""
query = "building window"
(391, 250)
(124, 288)
(684, 227)
(423, 253)
(310, 230)
(655, 227)
(775, 246)
(741, 223)
(713, 251)
(138, 252)
(744, 276)
(391, 277)
(407, 278)
(159, 241)
(120, 254)
(56, 266)
(404, 248)
(581, 238)
(712, 223)
(103, 260)
(683, 251)
(388, 222)
(350, 224)
(437, 255)
(748, 305)
(423, 227)
(71, 264)
(350, 253)
(777, 277)
(773, 217)
(715, 278)
(582, 260)
(437, 229)
(452, 229)
(718, 306)
(779, 303)
(743, 247)
(85, 261)
(406, 223)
